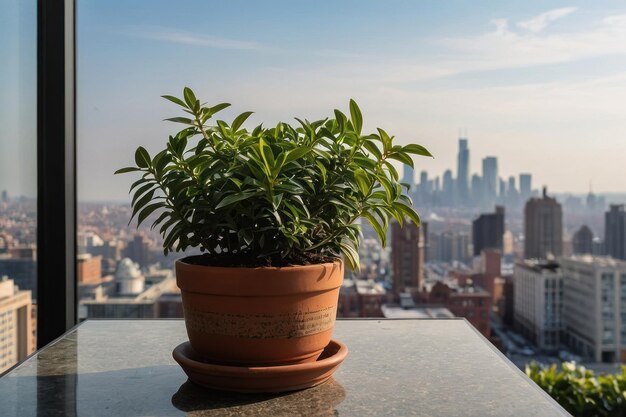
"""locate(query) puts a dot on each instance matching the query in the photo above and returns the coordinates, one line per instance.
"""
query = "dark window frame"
(56, 170)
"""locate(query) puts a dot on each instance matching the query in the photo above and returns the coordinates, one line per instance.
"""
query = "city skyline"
(527, 81)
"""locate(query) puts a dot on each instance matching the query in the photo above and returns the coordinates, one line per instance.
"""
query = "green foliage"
(285, 192)
(581, 392)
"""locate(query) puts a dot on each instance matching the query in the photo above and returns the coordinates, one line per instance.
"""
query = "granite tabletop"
(394, 368)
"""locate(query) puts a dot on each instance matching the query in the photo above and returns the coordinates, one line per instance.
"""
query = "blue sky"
(541, 85)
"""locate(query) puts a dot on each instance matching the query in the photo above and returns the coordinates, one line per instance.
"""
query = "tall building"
(407, 176)
(478, 190)
(138, 250)
(490, 178)
(543, 228)
(450, 246)
(16, 324)
(525, 186)
(594, 307)
(615, 231)
(582, 241)
(462, 181)
(407, 256)
(21, 265)
(538, 306)
(448, 189)
(487, 231)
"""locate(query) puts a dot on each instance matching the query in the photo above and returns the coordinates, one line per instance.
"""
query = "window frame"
(56, 170)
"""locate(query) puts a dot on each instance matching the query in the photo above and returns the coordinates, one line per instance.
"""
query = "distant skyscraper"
(463, 171)
(502, 191)
(487, 231)
(490, 178)
(407, 256)
(407, 175)
(448, 188)
(4, 197)
(543, 227)
(582, 241)
(525, 186)
(478, 190)
(615, 231)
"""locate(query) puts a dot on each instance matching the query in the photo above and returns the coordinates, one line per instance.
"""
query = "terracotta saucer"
(261, 378)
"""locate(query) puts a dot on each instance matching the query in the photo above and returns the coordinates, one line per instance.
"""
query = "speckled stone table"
(395, 367)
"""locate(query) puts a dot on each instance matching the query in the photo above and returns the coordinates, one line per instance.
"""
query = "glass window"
(18, 180)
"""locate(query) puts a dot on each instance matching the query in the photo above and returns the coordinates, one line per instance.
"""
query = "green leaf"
(125, 170)
(377, 228)
(404, 158)
(142, 158)
(239, 120)
(296, 154)
(387, 142)
(416, 150)
(373, 149)
(143, 214)
(218, 107)
(190, 97)
(351, 255)
(356, 117)
(183, 120)
(362, 181)
(233, 198)
(409, 212)
(175, 100)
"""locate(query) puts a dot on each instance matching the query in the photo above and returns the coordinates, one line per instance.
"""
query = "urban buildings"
(490, 179)
(407, 256)
(132, 294)
(615, 231)
(525, 186)
(538, 305)
(472, 303)
(20, 263)
(463, 171)
(16, 324)
(582, 241)
(487, 231)
(543, 228)
(594, 307)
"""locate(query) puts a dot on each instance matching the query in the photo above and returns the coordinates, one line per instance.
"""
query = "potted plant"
(273, 211)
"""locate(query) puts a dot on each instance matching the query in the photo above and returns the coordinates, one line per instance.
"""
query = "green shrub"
(581, 392)
(271, 196)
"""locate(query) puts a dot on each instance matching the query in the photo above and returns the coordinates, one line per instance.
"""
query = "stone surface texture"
(394, 368)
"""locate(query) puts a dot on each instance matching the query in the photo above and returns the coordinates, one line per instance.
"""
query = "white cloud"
(538, 23)
(187, 38)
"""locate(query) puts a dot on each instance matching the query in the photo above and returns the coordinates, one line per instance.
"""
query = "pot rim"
(182, 262)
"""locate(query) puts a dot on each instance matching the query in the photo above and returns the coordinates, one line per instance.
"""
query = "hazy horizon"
(542, 87)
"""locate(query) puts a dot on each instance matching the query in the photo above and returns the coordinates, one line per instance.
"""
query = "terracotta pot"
(260, 316)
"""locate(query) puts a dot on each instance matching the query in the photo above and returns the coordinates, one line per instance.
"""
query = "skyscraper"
(407, 176)
(487, 231)
(407, 256)
(543, 227)
(582, 241)
(448, 188)
(490, 178)
(462, 181)
(525, 186)
(615, 231)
